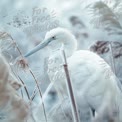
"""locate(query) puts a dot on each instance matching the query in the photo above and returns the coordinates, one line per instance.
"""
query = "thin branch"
(33, 94)
(32, 76)
(25, 88)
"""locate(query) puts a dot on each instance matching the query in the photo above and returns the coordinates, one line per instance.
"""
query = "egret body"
(93, 81)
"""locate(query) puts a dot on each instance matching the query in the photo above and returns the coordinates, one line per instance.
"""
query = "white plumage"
(94, 83)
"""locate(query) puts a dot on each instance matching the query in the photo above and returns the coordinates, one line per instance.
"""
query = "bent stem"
(32, 76)
(26, 90)
(24, 87)
(112, 58)
(70, 90)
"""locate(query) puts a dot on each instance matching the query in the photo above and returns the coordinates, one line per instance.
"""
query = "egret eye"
(53, 37)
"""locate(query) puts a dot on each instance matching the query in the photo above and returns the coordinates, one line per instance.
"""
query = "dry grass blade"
(31, 74)
(115, 5)
(3, 35)
(112, 58)
(70, 90)
(33, 94)
(39, 92)
(102, 17)
(26, 90)
(25, 87)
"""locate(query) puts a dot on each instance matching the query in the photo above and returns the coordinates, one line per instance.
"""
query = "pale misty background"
(89, 20)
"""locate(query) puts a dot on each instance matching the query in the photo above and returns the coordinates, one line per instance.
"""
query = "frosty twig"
(32, 76)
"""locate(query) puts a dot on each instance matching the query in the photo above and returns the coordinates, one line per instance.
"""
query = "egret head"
(55, 39)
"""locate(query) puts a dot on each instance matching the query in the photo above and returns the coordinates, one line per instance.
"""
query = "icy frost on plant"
(13, 108)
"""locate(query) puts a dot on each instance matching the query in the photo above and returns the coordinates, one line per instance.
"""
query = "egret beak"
(37, 48)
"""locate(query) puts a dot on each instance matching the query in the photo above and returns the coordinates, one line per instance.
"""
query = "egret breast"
(55, 70)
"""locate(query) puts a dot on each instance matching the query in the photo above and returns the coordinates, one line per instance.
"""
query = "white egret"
(92, 78)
